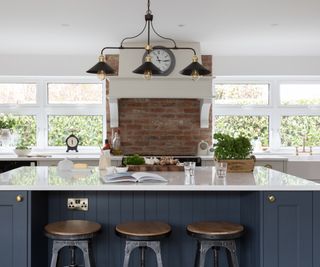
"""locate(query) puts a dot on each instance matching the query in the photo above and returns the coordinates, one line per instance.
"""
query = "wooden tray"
(155, 168)
(245, 165)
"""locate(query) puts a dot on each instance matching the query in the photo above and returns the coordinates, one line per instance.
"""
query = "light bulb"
(195, 75)
(148, 74)
(101, 75)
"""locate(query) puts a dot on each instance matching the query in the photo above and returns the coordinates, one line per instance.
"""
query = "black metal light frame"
(195, 69)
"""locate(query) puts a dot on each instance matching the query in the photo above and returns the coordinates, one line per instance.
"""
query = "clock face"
(72, 141)
(164, 59)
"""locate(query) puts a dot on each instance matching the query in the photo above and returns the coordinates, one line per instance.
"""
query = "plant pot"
(22, 152)
(240, 165)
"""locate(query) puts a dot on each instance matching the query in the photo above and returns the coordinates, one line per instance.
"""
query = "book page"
(118, 177)
(144, 176)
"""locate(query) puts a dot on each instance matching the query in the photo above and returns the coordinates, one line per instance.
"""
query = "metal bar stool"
(143, 235)
(215, 235)
(72, 234)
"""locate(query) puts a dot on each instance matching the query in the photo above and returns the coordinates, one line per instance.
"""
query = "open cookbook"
(136, 177)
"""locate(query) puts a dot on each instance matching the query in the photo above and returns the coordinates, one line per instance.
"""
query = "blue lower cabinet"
(13, 229)
(287, 229)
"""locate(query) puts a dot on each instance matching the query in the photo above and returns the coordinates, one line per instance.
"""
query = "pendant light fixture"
(195, 69)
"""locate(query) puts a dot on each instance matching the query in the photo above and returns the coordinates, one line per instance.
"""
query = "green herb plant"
(133, 160)
(228, 147)
(7, 121)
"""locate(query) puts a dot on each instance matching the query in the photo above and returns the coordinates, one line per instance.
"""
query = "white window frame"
(42, 109)
(274, 109)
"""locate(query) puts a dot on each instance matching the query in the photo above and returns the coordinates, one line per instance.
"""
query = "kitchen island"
(280, 212)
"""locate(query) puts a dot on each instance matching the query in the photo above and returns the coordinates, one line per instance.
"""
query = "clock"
(163, 58)
(72, 143)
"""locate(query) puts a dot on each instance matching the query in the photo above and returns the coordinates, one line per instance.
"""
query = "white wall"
(46, 65)
(265, 65)
(75, 65)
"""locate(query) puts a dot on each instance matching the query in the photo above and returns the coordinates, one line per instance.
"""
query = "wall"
(161, 126)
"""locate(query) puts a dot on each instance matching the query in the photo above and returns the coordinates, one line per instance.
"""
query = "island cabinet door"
(13, 229)
(287, 229)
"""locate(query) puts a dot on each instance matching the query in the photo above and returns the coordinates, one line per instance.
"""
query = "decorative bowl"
(22, 152)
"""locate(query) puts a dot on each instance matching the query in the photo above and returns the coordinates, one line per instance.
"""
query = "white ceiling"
(223, 27)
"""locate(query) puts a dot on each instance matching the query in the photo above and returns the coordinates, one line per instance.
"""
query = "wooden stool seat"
(71, 228)
(143, 230)
(73, 234)
(215, 230)
(143, 235)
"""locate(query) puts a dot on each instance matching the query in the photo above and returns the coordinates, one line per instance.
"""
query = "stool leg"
(155, 246)
(56, 247)
(231, 251)
(215, 251)
(196, 263)
(86, 248)
(204, 247)
(130, 245)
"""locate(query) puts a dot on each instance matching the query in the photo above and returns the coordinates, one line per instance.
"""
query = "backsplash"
(161, 126)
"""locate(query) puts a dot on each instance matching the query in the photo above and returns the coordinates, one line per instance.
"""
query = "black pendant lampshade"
(101, 67)
(147, 66)
(195, 67)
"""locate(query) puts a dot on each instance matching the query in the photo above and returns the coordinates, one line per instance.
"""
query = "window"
(46, 111)
(242, 94)
(248, 126)
(72, 93)
(295, 128)
(88, 128)
(300, 94)
(282, 111)
(18, 93)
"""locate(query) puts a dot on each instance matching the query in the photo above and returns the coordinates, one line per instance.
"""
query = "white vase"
(5, 137)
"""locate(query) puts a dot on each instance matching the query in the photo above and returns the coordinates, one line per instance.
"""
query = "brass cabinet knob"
(268, 166)
(19, 198)
(272, 198)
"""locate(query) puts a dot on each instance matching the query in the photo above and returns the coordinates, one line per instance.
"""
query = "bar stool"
(143, 235)
(72, 233)
(215, 235)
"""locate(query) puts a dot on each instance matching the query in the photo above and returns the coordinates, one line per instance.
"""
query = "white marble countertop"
(95, 156)
(49, 179)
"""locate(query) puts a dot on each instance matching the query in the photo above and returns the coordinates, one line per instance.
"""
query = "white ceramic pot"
(22, 152)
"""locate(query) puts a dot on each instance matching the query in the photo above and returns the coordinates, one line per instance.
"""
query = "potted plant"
(22, 150)
(7, 122)
(236, 151)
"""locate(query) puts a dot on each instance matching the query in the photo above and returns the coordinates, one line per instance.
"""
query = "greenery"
(228, 147)
(7, 121)
(87, 128)
(133, 160)
(294, 128)
(247, 126)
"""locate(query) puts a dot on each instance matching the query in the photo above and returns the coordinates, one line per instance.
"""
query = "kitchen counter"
(280, 212)
(50, 179)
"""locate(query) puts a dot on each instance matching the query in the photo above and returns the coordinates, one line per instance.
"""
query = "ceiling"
(223, 27)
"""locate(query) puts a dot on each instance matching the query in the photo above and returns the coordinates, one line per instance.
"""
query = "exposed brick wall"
(159, 126)
(207, 62)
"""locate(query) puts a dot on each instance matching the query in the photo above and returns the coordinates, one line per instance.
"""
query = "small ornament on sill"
(72, 143)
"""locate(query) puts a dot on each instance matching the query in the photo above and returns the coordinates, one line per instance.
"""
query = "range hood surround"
(130, 85)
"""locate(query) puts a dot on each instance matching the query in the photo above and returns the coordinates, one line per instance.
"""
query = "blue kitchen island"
(280, 212)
